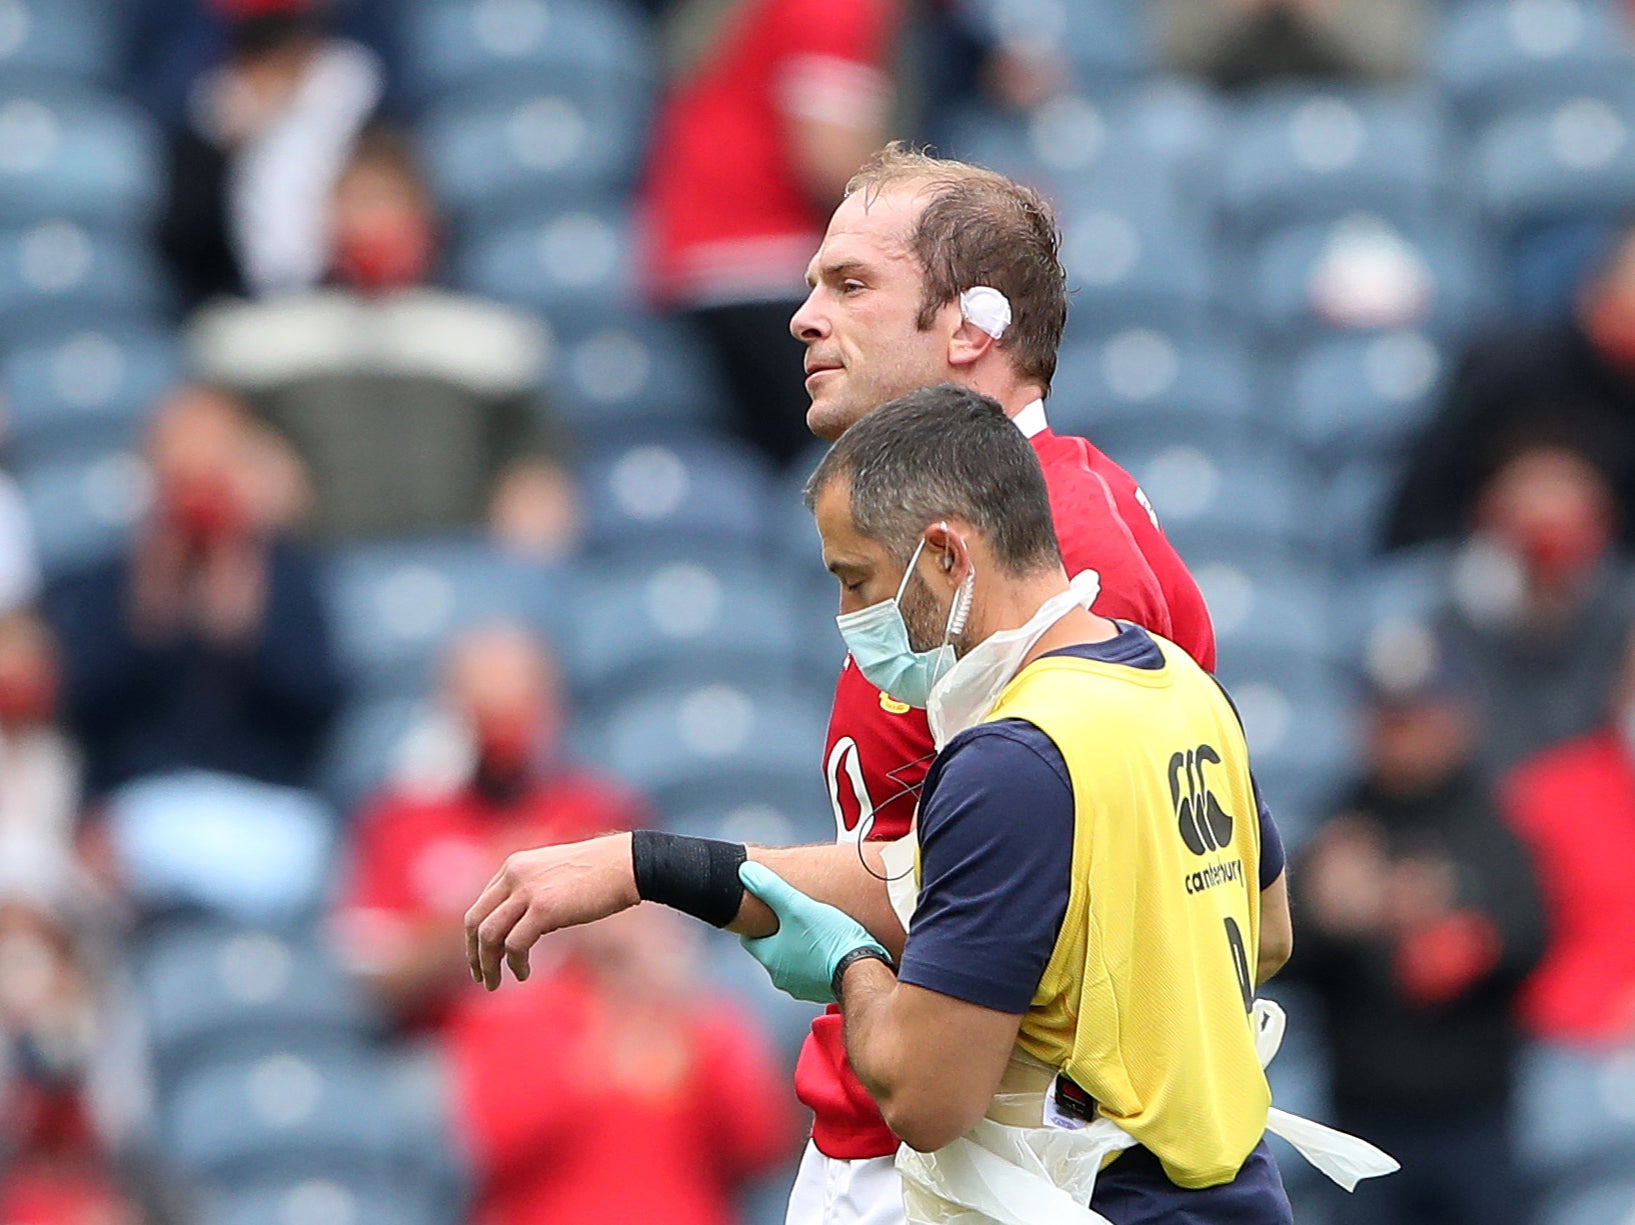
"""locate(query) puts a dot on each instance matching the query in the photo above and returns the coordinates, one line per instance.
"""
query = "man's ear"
(948, 544)
(968, 344)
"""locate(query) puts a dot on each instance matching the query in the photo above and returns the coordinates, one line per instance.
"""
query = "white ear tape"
(985, 307)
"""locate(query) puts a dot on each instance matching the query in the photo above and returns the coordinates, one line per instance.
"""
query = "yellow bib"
(1145, 1001)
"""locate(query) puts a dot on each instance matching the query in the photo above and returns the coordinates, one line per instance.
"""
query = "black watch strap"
(862, 952)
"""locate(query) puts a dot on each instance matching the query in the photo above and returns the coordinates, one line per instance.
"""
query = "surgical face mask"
(967, 694)
(877, 637)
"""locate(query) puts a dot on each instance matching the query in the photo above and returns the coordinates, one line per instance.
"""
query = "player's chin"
(827, 418)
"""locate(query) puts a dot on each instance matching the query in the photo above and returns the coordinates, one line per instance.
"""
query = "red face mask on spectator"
(28, 694)
(1550, 509)
(392, 252)
(203, 509)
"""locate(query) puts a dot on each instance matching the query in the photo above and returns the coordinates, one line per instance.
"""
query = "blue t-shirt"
(996, 826)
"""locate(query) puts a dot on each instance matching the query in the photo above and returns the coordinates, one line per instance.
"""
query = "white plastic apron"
(1012, 1169)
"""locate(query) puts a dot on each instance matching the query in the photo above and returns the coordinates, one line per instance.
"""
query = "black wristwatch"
(862, 952)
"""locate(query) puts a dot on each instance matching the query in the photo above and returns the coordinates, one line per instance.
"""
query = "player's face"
(859, 323)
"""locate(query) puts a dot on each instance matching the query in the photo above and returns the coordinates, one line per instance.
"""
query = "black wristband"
(697, 876)
(862, 952)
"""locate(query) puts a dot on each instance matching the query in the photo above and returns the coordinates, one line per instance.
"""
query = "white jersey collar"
(1031, 420)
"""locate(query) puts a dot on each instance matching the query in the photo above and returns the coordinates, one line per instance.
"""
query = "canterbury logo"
(1205, 825)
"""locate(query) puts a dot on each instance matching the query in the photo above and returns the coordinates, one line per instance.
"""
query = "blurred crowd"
(401, 442)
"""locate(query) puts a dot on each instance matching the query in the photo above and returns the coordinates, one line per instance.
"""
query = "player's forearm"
(848, 876)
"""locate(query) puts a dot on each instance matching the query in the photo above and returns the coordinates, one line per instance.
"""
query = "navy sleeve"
(1272, 858)
(996, 859)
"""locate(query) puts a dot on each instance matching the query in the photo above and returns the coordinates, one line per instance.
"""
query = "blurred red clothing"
(727, 216)
(1575, 807)
(422, 858)
(578, 1107)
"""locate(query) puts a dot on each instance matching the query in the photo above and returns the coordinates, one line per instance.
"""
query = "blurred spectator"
(205, 645)
(421, 855)
(1238, 43)
(773, 106)
(1571, 382)
(415, 409)
(53, 1167)
(267, 134)
(1539, 602)
(1420, 918)
(39, 771)
(616, 1088)
(1575, 806)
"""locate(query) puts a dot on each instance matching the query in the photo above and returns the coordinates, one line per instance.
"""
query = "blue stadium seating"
(1142, 387)
(1405, 585)
(1494, 55)
(632, 376)
(1301, 155)
(56, 274)
(83, 508)
(204, 989)
(394, 605)
(1570, 161)
(51, 39)
(1356, 396)
(79, 393)
(382, 741)
(1132, 261)
(578, 267)
(1104, 39)
(300, 1111)
(1366, 274)
(476, 45)
(1356, 497)
(81, 155)
(1266, 611)
(719, 745)
(1578, 1134)
(492, 157)
(700, 490)
(663, 619)
(324, 1201)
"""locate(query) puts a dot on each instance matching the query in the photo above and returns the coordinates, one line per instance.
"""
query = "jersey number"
(1240, 963)
(845, 757)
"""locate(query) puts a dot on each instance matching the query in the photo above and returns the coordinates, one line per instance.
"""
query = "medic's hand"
(812, 937)
(539, 891)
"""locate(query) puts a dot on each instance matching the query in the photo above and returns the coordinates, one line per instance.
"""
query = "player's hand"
(539, 891)
(812, 937)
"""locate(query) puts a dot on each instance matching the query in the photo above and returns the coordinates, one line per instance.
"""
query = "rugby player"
(931, 271)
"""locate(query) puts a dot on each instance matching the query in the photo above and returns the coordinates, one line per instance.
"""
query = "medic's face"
(863, 345)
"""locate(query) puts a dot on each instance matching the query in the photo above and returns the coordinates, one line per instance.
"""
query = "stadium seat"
(1408, 585)
(632, 375)
(324, 1201)
(1362, 273)
(713, 745)
(55, 274)
(83, 508)
(1140, 387)
(1266, 611)
(51, 39)
(1356, 499)
(701, 490)
(389, 741)
(1228, 504)
(1300, 155)
(575, 267)
(1570, 161)
(492, 157)
(79, 393)
(1579, 1133)
(194, 841)
(1360, 396)
(1134, 261)
(205, 989)
(476, 45)
(1103, 39)
(663, 619)
(1495, 55)
(300, 1111)
(395, 605)
(80, 155)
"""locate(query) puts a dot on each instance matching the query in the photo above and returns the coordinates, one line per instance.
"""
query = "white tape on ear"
(986, 308)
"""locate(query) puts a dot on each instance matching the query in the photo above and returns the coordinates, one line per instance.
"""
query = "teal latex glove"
(812, 937)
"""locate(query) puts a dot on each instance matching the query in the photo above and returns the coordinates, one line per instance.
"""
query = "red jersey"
(727, 215)
(1574, 805)
(879, 749)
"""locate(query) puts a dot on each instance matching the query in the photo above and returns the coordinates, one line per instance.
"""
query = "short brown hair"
(980, 228)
